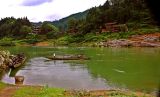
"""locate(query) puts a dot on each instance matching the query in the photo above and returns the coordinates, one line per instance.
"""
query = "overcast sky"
(44, 10)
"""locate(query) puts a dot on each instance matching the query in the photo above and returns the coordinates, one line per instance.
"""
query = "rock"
(118, 43)
(147, 44)
(4, 59)
(131, 43)
(152, 39)
(1, 60)
(101, 44)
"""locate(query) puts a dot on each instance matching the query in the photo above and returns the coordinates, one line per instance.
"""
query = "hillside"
(62, 23)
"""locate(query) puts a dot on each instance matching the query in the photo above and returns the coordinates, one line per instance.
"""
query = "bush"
(7, 42)
(148, 30)
(63, 40)
(24, 31)
(51, 35)
(76, 39)
(47, 27)
(93, 37)
(32, 38)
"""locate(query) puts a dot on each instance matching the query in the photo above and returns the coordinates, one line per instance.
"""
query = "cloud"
(52, 17)
(45, 10)
(34, 2)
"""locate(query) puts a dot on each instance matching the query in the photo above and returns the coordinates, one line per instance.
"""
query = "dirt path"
(8, 91)
(42, 44)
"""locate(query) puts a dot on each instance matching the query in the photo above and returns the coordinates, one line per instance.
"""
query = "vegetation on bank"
(2, 86)
(39, 92)
(36, 91)
(90, 39)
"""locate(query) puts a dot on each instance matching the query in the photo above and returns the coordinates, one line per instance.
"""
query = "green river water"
(109, 68)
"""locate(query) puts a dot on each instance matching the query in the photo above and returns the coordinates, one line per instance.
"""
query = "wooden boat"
(20, 63)
(68, 58)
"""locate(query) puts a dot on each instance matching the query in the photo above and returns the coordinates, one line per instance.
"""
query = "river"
(109, 68)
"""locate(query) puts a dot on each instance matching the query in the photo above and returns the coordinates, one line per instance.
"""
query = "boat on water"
(68, 57)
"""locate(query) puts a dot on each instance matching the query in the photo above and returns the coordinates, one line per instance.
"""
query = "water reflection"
(58, 74)
(131, 68)
(6, 78)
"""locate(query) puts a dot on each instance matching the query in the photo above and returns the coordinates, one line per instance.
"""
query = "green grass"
(31, 91)
(90, 38)
(39, 92)
(2, 85)
(118, 94)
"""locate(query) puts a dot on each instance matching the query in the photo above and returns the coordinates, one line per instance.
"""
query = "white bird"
(120, 71)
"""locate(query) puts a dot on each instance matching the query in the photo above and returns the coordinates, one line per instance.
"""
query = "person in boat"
(54, 55)
(80, 56)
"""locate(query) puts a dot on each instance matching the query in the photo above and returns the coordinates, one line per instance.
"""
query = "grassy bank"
(30, 91)
(36, 91)
(90, 39)
(2, 86)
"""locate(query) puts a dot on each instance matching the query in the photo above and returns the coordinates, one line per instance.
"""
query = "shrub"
(93, 37)
(51, 35)
(32, 38)
(63, 40)
(7, 42)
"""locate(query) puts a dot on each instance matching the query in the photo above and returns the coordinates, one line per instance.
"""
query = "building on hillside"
(36, 29)
(114, 27)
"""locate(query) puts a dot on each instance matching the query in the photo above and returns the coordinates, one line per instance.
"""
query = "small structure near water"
(19, 80)
(114, 27)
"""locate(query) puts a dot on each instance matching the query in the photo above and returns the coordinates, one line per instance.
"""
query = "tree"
(47, 27)
(25, 30)
(120, 11)
(51, 35)
(93, 20)
(72, 25)
(6, 26)
(11, 27)
(32, 38)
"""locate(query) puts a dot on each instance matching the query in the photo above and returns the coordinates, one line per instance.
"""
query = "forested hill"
(133, 13)
(62, 23)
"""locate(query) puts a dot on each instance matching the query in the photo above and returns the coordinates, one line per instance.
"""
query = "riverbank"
(7, 90)
(144, 40)
(144, 37)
